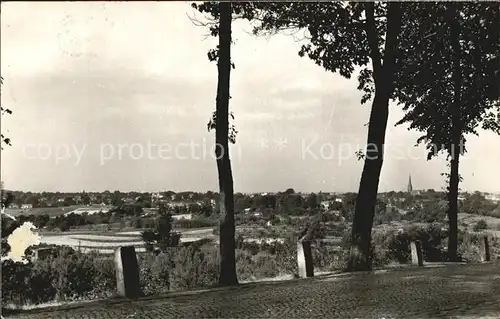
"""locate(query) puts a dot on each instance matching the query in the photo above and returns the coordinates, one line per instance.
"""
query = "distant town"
(186, 204)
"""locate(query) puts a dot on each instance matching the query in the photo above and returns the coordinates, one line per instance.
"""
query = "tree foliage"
(161, 237)
(212, 15)
(336, 33)
(425, 83)
(3, 138)
(448, 82)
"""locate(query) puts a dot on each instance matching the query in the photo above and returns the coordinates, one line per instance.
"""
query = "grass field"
(107, 242)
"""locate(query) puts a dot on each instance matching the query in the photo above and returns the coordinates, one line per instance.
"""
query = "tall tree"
(383, 69)
(448, 82)
(228, 274)
(220, 121)
(456, 131)
(343, 36)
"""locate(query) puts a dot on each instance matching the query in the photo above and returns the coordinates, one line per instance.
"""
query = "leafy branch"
(3, 139)
(212, 17)
(232, 129)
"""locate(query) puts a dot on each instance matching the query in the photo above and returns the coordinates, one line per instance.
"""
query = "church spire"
(410, 186)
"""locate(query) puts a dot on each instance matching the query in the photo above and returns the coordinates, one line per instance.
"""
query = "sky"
(117, 96)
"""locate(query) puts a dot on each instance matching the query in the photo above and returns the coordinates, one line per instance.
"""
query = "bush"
(161, 237)
(264, 266)
(195, 267)
(480, 225)
(327, 257)
(243, 264)
(254, 260)
(286, 256)
(468, 246)
(73, 275)
(15, 288)
(199, 222)
(394, 246)
(105, 277)
(81, 276)
(155, 272)
(397, 244)
(70, 276)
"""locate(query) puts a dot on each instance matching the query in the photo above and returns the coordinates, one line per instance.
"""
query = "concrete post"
(304, 259)
(485, 249)
(127, 272)
(417, 258)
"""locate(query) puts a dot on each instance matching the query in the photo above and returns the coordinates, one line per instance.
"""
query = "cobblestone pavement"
(454, 291)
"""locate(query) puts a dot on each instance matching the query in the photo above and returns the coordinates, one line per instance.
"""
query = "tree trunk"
(226, 200)
(360, 252)
(453, 208)
(456, 132)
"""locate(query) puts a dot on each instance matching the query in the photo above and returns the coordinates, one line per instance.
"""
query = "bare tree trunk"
(456, 136)
(360, 252)
(453, 208)
(226, 201)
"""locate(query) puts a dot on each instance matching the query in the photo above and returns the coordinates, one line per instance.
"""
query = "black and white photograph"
(234, 159)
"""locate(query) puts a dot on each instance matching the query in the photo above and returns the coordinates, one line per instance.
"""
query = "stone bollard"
(485, 249)
(304, 259)
(127, 272)
(417, 258)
